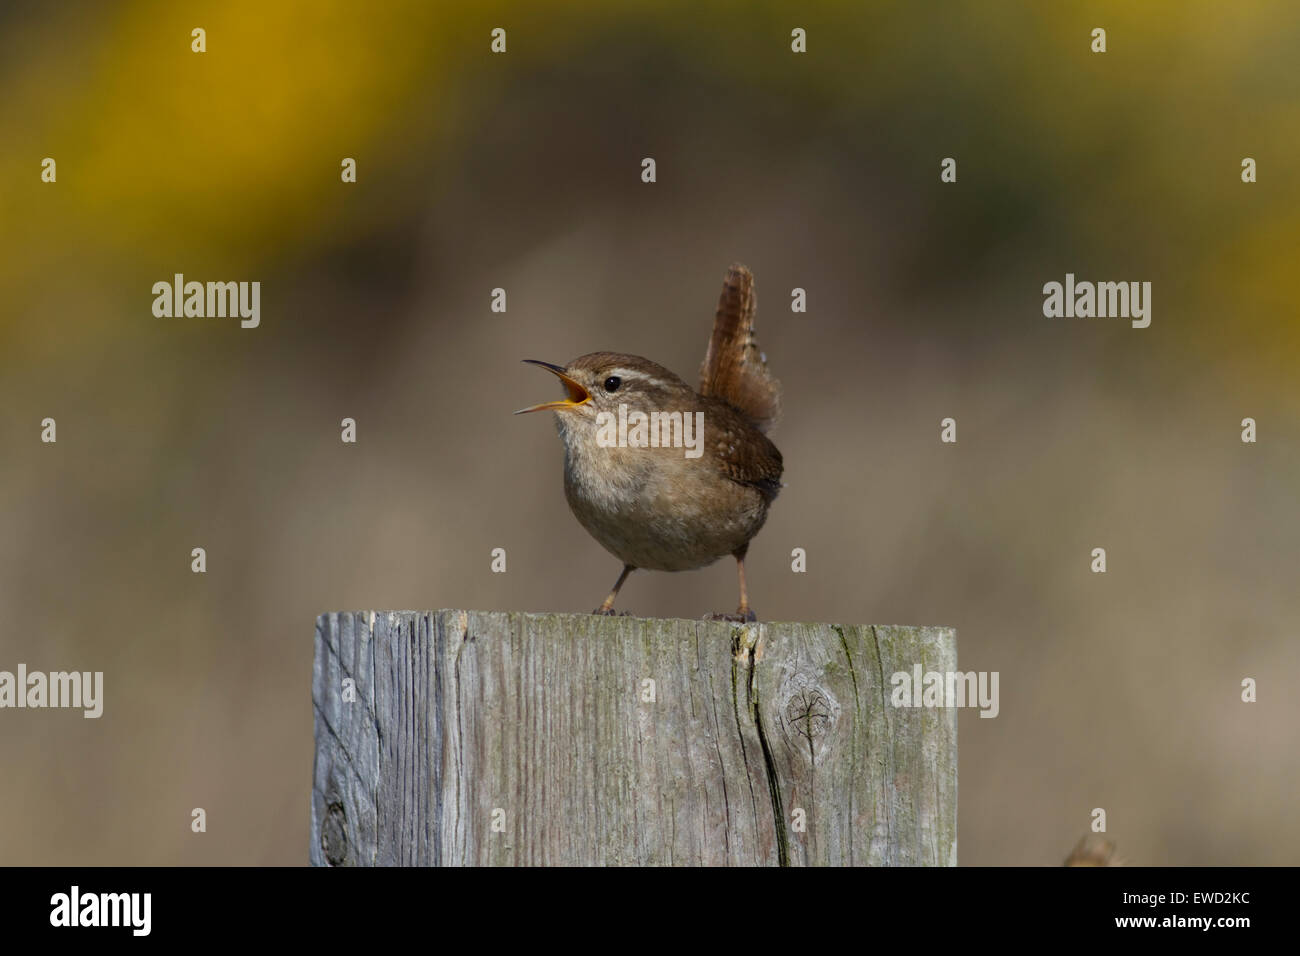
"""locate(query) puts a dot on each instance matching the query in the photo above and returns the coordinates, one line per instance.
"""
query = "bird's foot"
(740, 616)
(610, 612)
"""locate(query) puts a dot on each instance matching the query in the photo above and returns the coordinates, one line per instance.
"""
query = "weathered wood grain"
(488, 738)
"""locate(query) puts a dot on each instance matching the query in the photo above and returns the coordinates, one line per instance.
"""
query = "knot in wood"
(334, 834)
(809, 713)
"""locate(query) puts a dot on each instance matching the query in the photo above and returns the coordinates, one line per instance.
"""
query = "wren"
(665, 477)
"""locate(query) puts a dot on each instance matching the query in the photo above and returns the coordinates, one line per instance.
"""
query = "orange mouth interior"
(575, 393)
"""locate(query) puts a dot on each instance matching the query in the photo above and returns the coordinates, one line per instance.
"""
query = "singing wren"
(665, 477)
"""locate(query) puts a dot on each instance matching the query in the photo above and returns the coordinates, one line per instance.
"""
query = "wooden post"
(489, 738)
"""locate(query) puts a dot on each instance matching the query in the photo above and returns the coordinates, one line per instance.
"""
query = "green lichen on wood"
(541, 717)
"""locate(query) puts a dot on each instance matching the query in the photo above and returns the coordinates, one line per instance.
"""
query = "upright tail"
(735, 369)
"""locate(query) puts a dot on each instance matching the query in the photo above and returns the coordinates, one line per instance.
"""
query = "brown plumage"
(658, 507)
(735, 368)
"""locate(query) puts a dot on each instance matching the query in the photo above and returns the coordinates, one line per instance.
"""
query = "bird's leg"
(608, 606)
(744, 613)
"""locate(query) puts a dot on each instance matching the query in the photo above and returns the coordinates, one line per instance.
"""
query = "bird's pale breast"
(654, 508)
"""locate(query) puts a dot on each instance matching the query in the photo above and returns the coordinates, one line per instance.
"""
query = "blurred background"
(522, 171)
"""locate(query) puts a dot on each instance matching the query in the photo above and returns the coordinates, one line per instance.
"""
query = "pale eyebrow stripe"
(639, 376)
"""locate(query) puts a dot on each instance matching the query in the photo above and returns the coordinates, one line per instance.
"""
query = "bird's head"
(601, 381)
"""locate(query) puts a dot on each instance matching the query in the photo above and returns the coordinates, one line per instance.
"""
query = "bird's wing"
(735, 369)
(743, 453)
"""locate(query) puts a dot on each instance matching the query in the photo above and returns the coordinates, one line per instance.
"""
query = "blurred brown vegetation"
(522, 171)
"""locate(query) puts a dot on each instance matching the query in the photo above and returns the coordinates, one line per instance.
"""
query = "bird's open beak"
(577, 395)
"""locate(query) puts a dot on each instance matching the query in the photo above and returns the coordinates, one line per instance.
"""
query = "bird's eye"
(612, 383)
